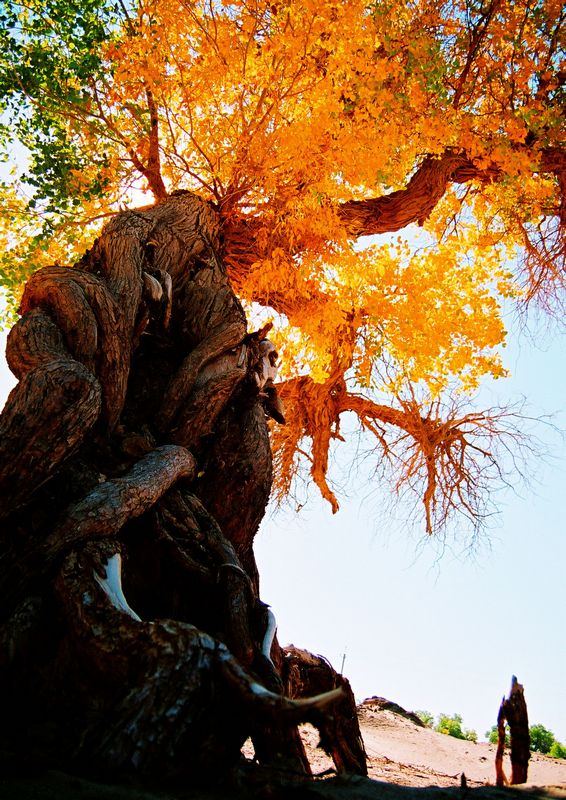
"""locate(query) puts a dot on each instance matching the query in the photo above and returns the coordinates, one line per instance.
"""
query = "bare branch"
(450, 460)
(449, 457)
(478, 35)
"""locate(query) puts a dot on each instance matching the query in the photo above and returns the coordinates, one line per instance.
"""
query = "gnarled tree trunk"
(135, 468)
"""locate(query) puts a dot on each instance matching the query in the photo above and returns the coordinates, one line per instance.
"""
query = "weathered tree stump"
(514, 711)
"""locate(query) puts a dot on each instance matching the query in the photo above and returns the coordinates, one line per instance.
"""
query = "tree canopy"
(435, 127)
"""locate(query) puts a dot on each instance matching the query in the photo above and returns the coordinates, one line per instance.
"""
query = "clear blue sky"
(430, 631)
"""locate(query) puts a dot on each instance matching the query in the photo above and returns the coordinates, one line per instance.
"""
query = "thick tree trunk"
(135, 470)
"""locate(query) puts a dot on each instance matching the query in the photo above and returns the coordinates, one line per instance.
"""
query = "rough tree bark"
(135, 468)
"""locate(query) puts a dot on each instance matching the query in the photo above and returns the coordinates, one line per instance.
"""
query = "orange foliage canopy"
(313, 124)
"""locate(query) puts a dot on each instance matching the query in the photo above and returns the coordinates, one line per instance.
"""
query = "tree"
(557, 750)
(492, 735)
(269, 139)
(452, 726)
(426, 718)
(541, 739)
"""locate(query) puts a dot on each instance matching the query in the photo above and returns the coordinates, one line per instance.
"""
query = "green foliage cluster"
(50, 59)
(557, 750)
(542, 740)
(451, 725)
(492, 735)
(426, 718)
(49, 56)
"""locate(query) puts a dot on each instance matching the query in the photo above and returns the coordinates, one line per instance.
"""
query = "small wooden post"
(514, 710)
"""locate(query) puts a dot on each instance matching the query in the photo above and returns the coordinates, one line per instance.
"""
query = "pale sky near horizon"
(441, 632)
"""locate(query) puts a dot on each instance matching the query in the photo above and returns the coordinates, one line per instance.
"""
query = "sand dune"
(401, 752)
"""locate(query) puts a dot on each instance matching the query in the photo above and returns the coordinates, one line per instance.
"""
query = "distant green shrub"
(557, 750)
(541, 739)
(452, 726)
(426, 718)
(492, 735)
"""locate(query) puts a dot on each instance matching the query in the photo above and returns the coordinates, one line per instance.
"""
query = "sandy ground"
(401, 752)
